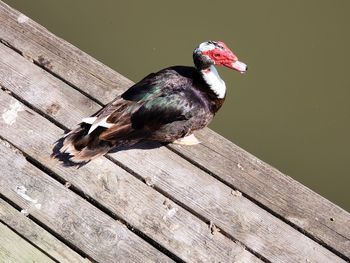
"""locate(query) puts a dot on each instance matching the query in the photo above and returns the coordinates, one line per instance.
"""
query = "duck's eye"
(217, 55)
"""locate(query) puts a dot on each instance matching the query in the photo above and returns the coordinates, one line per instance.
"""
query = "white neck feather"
(216, 84)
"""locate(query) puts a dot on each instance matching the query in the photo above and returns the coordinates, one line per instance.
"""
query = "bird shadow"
(65, 158)
(143, 145)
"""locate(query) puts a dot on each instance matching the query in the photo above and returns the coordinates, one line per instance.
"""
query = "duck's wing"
(159, 99)
(117, 111)
(135, 115)
(151, 115)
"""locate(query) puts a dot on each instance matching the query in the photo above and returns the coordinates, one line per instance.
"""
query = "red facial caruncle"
(222, 55)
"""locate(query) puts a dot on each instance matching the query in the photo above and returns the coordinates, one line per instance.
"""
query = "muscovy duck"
(166, 106)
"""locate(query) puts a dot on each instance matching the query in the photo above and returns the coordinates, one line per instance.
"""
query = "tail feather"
(78, 147)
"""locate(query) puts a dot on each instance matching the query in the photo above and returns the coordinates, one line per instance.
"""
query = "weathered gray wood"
(58, 55)
(282, 195)
(13, 248)
(236, 215)
(279, 192)
(99, 236)
(261, 182)
(141, 206)
(37, 235)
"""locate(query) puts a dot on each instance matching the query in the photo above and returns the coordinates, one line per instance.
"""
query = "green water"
(291, 109)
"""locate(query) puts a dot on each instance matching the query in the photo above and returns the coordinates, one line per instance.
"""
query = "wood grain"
(167, 171)
(135, 202)
(37, 235)
(13, 248)
(262, 183)
(282, 195)
(99, 236)
(59, 56)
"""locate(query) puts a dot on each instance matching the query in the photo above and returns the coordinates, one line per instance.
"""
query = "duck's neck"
(216, 84)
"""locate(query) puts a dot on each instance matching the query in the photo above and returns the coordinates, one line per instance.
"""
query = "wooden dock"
(213, 202)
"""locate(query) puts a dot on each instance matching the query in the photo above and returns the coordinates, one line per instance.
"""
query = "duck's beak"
(239, 66)
(233, 63)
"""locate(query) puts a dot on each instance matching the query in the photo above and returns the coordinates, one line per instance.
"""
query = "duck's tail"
(78, 147)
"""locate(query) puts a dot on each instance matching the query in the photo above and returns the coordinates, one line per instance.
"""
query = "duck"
(166, 106)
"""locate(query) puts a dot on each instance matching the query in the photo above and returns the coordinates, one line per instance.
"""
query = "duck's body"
(165, 106)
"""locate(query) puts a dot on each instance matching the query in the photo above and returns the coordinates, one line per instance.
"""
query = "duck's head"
(216, 53)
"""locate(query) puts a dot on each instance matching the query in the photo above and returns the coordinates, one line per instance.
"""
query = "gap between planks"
(27, 240)
(39, 237)
(87, 198)
(53, 214)
(23, 251)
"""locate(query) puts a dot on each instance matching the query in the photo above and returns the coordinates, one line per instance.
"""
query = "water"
(291, 109)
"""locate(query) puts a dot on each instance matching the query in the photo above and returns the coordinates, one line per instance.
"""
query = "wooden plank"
(99, 236)
(141, 206)
(58, 55)
(200, 192)
(13, 248)
(37, 235)
(283, 195)
(260, 182)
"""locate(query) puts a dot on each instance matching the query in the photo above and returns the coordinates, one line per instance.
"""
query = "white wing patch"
(89, 120)
(94, 124)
